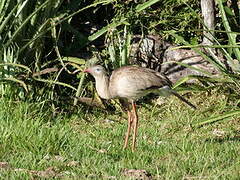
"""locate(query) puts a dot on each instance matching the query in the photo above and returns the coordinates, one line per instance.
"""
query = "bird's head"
(96, 71)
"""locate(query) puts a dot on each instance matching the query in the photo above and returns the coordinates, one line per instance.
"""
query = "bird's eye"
(98, 70)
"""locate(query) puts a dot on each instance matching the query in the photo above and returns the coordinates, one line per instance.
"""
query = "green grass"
(32, 141)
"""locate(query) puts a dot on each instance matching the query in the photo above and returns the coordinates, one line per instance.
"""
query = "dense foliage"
(44, 44)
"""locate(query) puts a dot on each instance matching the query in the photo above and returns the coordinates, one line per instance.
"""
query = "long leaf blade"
(145, 5)
(217, 118)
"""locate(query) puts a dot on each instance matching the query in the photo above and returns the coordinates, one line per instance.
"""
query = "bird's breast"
(127, 87)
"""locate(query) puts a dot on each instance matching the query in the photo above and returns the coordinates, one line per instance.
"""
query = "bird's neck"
(102, 86)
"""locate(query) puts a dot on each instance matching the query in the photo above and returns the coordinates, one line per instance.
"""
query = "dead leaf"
(137, 174)
(98, 150)
(72, 163)
(91, 102)
(54, 158)
(219, 133)
(49, 172)
(4, 165)
(59, 158)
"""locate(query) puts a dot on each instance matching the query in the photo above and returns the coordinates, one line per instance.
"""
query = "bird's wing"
(140, 75)
(136, 80)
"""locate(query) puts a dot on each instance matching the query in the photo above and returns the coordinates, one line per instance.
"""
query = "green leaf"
(55, 82)
(125, 47)
(202, 78)
(231, 36)
(15, 80)
(228, 11)
(74, 60)
(7, 19)
(80, 87)
(16, 65)
(181, 81)
(3, 9)
(217, 118)
(26, 21)
(106, 28)
(40, 34)
(145, 5)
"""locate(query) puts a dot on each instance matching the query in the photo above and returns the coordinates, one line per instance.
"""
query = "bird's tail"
(183, 99)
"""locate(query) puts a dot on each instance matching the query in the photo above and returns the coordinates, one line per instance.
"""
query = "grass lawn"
(88, 145)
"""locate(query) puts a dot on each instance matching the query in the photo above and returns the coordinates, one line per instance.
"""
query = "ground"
(88, 144)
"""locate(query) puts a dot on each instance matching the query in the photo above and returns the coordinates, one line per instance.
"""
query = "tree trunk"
(208, 13)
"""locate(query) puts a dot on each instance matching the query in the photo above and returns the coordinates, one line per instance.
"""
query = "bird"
(131, 83)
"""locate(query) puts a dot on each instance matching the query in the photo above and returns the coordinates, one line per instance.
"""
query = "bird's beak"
(86, 70)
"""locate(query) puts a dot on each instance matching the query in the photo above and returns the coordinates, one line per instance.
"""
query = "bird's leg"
(135, 124)
(128, 129)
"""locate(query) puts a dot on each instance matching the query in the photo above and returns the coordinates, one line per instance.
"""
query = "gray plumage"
(131, 82)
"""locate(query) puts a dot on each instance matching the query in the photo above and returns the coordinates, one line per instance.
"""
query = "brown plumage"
(132, 83)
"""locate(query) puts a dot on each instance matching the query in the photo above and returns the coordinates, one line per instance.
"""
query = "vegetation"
(43, 47)
(36, 36)
(90, 145)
